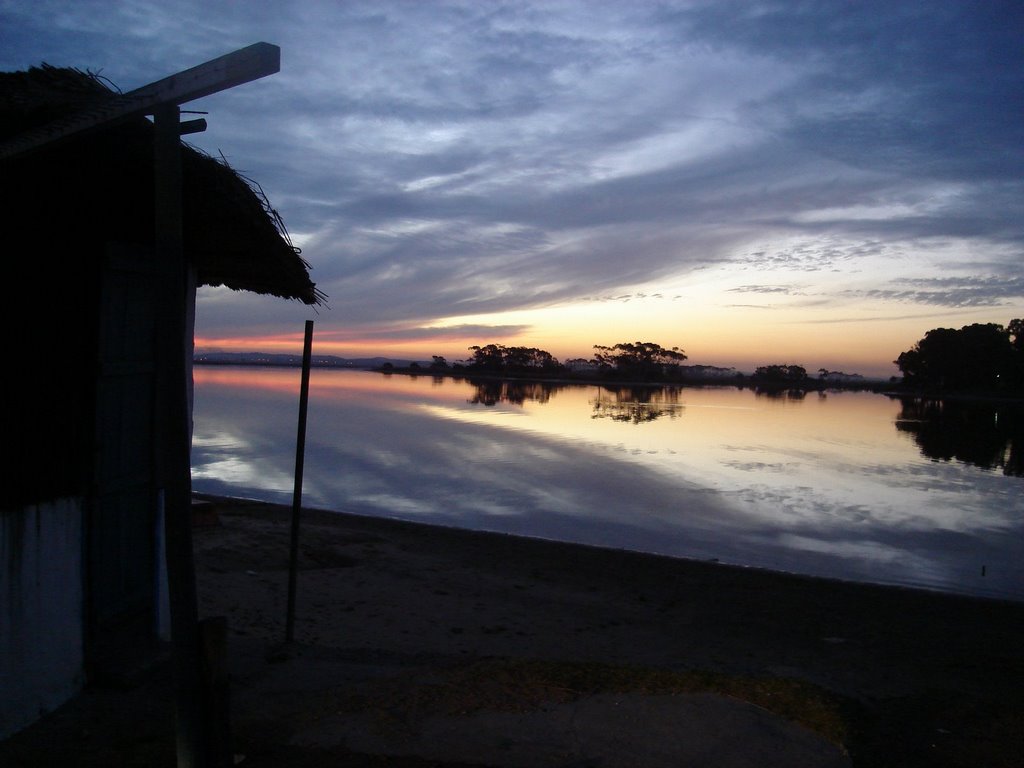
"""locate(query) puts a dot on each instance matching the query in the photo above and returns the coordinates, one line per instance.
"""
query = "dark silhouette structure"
(113, 226)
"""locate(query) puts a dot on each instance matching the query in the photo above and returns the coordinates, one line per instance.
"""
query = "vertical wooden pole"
(173, 452)
(300, 452)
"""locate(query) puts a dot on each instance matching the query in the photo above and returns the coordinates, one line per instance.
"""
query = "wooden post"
(300, 452)
(173, 452)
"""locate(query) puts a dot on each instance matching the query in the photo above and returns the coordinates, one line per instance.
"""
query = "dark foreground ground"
(423, 646)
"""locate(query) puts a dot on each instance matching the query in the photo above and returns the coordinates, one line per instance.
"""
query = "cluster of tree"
(628, 361)
(784, 375)
(980, 358)
(497, 358)
(639, 360)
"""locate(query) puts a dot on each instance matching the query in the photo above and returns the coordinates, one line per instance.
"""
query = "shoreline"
(397, 621)
(871, 385)
(915, 676)
(949, 590)
(900, 669)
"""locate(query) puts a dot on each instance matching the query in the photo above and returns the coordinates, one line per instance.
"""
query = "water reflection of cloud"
(757, 466)
(868, 550)
(456, 466)
(399, 505)
(239, 472)
(219, 440)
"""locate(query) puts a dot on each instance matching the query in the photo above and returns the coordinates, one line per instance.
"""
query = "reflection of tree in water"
(985, 435)
(491, 393)
(636, 405)
(773, 393)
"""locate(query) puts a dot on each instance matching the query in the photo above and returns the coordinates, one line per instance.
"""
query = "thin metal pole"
(300, 452)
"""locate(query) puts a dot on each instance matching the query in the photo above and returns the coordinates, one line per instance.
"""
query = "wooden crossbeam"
(241, 66)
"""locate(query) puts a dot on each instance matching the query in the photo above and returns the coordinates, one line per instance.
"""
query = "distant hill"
(290, 361)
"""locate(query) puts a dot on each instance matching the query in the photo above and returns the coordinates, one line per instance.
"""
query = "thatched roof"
(100, 187)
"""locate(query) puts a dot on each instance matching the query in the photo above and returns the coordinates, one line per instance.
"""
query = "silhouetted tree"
(487, 358)
(497, 358)
(642, 360)
(975, 358)
(785, 374)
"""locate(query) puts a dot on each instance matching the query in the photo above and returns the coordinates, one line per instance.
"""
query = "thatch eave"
(101, 186)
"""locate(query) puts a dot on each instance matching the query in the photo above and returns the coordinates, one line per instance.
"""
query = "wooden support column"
(173, 449)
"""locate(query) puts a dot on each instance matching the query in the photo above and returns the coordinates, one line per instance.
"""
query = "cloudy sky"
(755, 182)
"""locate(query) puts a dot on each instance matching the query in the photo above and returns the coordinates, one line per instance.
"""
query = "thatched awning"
(100, 187)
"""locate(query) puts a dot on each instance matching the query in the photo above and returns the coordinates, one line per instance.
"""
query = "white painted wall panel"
(41, 617)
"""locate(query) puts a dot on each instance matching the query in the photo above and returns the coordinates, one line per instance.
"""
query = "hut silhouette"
(81, 552)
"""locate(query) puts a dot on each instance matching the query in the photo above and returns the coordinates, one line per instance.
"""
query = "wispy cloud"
(782, 290)
(451, 159)
(411, 334)
(950, 291)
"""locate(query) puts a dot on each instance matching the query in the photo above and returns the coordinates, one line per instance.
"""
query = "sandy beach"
(418, 645)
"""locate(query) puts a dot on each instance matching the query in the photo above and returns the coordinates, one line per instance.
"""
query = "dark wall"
(59, 208)
(50, 355)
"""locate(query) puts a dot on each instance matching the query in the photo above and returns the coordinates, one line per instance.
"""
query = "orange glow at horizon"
(855, 339)
(421, 349)
(327, 386)
(277, 343)
(744, 348)
(718, 317)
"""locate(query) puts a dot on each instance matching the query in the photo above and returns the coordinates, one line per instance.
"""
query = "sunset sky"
(817, 183)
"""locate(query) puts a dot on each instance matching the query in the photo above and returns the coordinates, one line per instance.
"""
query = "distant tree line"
(626, 362)
(980, 358)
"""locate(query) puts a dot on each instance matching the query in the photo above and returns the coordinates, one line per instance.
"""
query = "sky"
(755, 182)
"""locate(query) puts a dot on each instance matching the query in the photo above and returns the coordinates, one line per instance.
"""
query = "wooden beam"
(246, 64)
(241, 66)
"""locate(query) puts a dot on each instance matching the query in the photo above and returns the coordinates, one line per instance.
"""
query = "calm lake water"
(849, 485)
